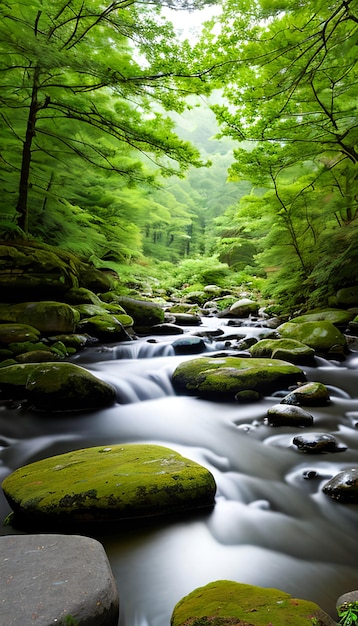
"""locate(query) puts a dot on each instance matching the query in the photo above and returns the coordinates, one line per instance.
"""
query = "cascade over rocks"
(228, 603)
(107, 484)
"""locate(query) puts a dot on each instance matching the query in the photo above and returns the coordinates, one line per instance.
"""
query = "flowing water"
(271, 525)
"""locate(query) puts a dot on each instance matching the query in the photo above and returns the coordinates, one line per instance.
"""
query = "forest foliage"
(123, 142)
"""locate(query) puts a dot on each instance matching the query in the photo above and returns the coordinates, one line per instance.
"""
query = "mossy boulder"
(338, 317)
(228, 603)
(13, 333)
(96, 280)
(47, 316)
(143, 312)
(107, 327)
(348, 296)
(107, 484)
(322, 335)
(287, 349)
(222, 378)
(36, 271)
(81, 295)
(57, 386)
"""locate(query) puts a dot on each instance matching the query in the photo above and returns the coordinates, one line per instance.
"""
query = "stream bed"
(271, 524)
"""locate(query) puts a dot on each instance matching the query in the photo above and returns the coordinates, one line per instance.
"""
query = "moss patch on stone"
(225, 602)
(108, 483)
(288, 349)
(224, 377)
(322, 336)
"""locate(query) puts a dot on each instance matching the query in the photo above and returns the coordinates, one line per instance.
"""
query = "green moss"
(319, 335)
(105, 483)
(227, 376)
(226, 602)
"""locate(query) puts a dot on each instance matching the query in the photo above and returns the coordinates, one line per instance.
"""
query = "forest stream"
(271, 525)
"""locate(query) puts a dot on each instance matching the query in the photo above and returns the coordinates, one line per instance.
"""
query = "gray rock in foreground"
(56, 579)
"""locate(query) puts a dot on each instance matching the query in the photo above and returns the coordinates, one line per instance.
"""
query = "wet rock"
(228, 603)
(50, 579)
(343, 486)
(287, 349)
(36, 271)
(11, 333)
(338, 317)
(163, 329)
(310, 394)
(187, 319)
(317, 443)
(107, 484)
(223, 377)
(80, 295)
(47, 316)
(287, 415)
(322, 336)
(55, 386)
(244, 308)
(189, 345)
(144, 313)
(107, 327)
(96, 280)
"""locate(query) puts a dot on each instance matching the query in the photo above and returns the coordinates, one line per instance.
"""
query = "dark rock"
(343, 486)
(49, 579)
(287, 415)
(310, 394)
(189, 345)
(317, 443)
(143, 312)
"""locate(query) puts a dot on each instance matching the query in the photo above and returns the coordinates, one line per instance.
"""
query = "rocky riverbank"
(53, 307)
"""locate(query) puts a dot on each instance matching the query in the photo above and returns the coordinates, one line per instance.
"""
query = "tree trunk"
(21, 207)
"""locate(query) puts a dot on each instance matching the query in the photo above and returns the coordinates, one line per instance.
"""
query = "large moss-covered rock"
(37, 271)
(223, 378)
(55, 386)
(107, 327)
(348, 296)
(287, 349)
(107, 484)
(143, 312)
(228, 603)
(338, 317)
(47, 316)
(13, 333)
(322, 335)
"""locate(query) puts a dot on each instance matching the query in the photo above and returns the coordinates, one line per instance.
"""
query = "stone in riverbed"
(322, 336)
(287, 415)
(56, 579)
(310, 394)
(13, 333)
(317, 443)
(287, 349)
(343, 486)
(228, 603)
(46, 316)
(56, 386)
(107, 484)
(222, 378)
